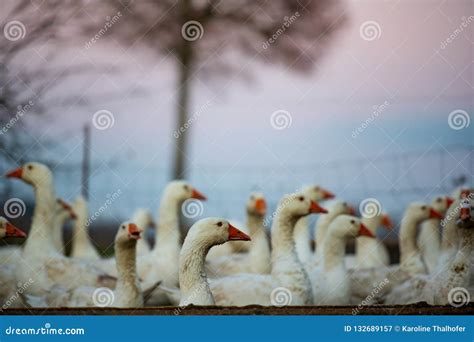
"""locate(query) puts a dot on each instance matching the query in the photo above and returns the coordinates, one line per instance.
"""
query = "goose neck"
(192, 275)
(407, 237)
(334, 249)
(167, 230)
(283, 246)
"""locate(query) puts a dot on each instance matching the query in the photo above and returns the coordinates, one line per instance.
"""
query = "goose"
(203, 235)
(257, 260)
(371, 252)
(127, 293)
(435, 288)
(8, 286)
(63, 213)
(160, 264)
(82, 247)
(288, 276)
(411, 263)
(39, 259)
(450, 238)
(301, 233)
(331, 282)
(142, 217)
(334, 209)
(429, 239)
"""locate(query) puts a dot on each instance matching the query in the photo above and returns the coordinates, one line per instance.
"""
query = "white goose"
(201, 237)
(435, 288)
(160, 263)
(40, 260)
(128, 292)
(371, 252)
(411, 264)
(334, 209)
(143, 219)
(258, 259)
(8, 285)
(64, 212)
(331, 282)
(287, 275)
(82, 246)
(301, 233)
(429, 238)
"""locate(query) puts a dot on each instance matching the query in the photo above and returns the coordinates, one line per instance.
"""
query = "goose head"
(346, 226)
(298, 205)
(316, 193)
(32, 173)
(442, 203)
(65, 210)
(215, 231)
(180, 191)
(9, 230)
(256, 205)
(340, 208)
(419, 212)
(128, 234)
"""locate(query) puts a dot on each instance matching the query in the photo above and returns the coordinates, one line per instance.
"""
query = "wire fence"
(394, 180)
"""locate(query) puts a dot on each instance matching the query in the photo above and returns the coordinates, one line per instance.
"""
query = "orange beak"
(134, 231)
(197, 195)
(315, 208)
(261, 206)
(449, 201)
(13, 231)
(364, 231)
(435, 214)
(465, 193)
(236, 234)
(387, 222)
(327, 195)
(17, 173)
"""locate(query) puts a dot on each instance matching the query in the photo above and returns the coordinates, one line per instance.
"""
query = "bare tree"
(197, 32)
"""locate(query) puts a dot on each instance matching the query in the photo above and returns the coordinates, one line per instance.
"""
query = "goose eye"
(123, 227)
(186, 187)
(301, 198)
(353, 221)
(30, 167)
(439, 199)
(219, 224)
(423, 207)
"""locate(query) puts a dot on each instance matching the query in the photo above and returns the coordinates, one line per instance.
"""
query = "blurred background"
(369, 99)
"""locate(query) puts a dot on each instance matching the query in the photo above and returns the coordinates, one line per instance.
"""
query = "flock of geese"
(220, 264)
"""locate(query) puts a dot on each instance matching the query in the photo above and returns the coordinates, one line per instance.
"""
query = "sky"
(401, 62)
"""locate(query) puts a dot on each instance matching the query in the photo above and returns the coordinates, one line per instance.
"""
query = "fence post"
(86, 161)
